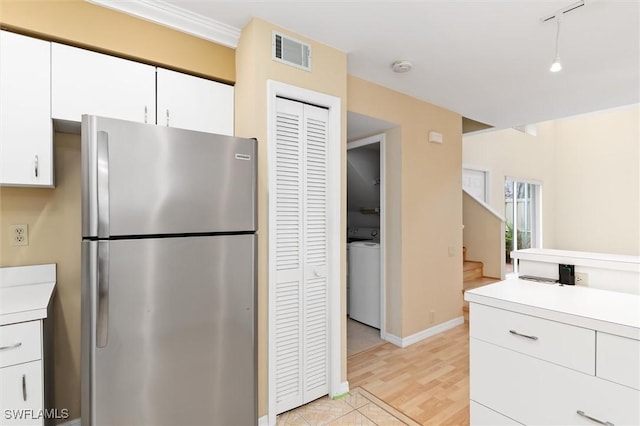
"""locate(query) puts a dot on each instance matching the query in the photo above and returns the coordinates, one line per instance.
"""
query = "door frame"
(277, 89)
(379, 138)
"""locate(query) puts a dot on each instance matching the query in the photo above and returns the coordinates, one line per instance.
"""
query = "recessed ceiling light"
(401, 66)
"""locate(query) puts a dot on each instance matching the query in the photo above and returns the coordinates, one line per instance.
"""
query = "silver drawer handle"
(600, 422)
(523, 335)
(14, 346)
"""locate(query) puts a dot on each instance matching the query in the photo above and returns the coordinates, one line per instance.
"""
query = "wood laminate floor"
(427, 381)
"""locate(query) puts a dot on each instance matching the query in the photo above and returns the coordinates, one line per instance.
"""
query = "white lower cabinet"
(537, 392)
(483, 416)
(21, 374)
(553, 355)
(22, 398)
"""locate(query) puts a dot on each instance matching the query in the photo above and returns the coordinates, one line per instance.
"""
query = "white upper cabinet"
(86, 82)
(194, 103)
(26, 148)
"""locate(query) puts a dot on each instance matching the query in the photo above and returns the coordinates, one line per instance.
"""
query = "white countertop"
(25, 292)
(581, 258)
(602, 310)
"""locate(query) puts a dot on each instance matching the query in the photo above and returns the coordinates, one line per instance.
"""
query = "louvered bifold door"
(301, 296)
(316, 297)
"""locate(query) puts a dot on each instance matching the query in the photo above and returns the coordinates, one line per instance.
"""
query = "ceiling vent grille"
(291, 51)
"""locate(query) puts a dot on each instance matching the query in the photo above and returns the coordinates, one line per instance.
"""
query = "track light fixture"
(556, 65)
(557, 15)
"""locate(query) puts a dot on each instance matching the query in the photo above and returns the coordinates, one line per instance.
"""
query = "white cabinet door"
(21, 399)
(194, 103)
(85, 82)
(26, 148)
(536, 392)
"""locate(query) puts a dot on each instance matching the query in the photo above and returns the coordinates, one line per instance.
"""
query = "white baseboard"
(263, 421)
(341, 389)
(72, 422)
(403, 342)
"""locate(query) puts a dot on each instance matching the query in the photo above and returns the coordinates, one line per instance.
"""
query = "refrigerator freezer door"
(181, 333)
(141, 179)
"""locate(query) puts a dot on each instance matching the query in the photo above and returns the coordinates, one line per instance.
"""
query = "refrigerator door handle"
(103, 184)
(102, 314)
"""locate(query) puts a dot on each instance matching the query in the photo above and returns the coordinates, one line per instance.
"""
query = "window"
(475, 182)
(522, 208)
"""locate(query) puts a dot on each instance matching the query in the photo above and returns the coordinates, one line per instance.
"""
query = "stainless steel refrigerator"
(168, 276)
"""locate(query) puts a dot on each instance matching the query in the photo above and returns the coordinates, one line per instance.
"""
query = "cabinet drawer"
(20, 343)
(618, 359)
(532, 391)
(483, 416)
(21, 398)
(563, 344)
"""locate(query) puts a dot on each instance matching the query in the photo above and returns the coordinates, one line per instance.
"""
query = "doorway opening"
(364, 243)
(523, 222)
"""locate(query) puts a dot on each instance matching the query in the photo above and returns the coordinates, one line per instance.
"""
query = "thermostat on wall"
(435, 137)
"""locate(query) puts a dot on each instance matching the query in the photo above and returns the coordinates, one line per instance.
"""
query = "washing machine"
(364, 282)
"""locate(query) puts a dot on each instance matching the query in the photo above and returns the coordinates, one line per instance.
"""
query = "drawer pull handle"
(523, 335)
(14, 346)
(600, 422)
(24, 387)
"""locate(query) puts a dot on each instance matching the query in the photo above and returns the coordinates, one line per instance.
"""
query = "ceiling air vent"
(291, 51)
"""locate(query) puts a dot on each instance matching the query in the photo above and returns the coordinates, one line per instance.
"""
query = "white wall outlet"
(452, 251)
(19, 235)
(582, 278)
(432, 317)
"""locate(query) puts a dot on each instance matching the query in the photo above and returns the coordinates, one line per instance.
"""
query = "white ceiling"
(486, 59)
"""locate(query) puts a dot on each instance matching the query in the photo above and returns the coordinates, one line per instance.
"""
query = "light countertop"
(602, 310)
(25, 292)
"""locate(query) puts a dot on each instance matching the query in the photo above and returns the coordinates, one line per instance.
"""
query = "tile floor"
(361, 337)
(358, 408)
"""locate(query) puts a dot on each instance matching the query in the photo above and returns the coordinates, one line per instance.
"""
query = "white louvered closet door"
(301, 293)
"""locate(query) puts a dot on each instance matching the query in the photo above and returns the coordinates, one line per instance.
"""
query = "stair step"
(472, 270)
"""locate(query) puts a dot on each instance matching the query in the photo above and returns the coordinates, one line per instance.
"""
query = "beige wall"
(588, 166)
(598, 183)
(255, 67)
(482, 236)
(83, 24)
(428, 205)
(392, 212)
(516, 154)
(53, 217)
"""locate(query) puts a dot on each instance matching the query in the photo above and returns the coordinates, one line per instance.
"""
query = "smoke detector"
(401, 66)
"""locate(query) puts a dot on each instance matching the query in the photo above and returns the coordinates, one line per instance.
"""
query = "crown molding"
(171, 16)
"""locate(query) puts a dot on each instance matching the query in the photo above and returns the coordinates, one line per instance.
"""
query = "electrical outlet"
(582, 278)
(19, 235)
(452, 251)
(432, 317)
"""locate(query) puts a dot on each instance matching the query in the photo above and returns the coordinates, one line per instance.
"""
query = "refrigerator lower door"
(178, 346)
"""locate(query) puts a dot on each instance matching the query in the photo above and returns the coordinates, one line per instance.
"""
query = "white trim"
(168, 15)
(403, 342)
(73, 422)
(275, 89)
(262, 421)
(340, 390)
(380, 138)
